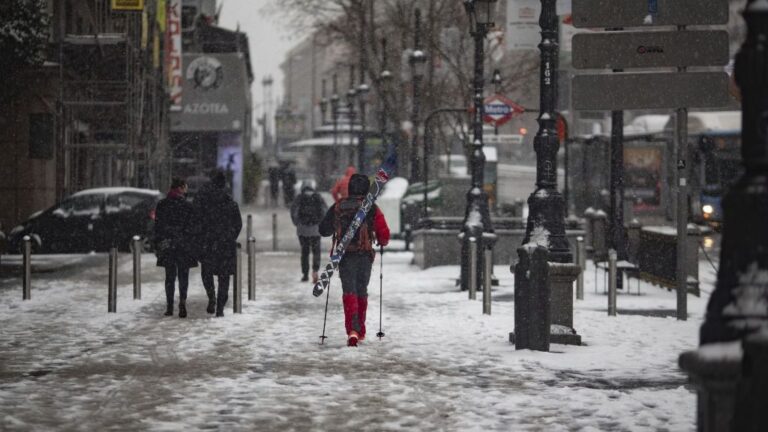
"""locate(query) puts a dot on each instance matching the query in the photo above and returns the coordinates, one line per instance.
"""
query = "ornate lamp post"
(351, 94)
(546, 204)
(477, 218)
(417, 61)
(335, 99)
(323, 103)
(362, 97)
(496, 81)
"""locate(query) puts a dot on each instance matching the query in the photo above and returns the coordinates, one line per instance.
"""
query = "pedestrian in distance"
(341, 187)
(219, 224)
(288, 177)
(307, 211)
(355, 266)
(173, 239)
(274, 184)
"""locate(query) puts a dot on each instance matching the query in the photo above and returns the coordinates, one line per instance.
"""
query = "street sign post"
(679, 90)
(666, 90)
(644, 13)
(625, 50)
(499, 110)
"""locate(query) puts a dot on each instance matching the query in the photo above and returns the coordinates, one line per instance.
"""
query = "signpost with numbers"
(638, 49)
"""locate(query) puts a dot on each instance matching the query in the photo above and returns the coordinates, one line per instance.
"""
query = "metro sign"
(498, 110)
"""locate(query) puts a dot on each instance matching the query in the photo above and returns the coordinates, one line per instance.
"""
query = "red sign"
(498, 110)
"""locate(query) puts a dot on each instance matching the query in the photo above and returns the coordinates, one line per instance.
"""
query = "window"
(123, 202)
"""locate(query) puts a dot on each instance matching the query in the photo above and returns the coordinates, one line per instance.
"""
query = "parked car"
(90, 220)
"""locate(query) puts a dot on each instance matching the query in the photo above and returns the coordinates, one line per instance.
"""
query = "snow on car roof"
(115, 191)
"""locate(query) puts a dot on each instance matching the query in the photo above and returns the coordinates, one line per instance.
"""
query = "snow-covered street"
(67, 364)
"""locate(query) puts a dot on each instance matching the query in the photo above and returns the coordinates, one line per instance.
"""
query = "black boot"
(219, 311)
(211, 301)
(169, 310)
(182, 310)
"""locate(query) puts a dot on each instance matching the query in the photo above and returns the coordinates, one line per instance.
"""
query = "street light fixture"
(351, 94)
(417, 61)
(362, 98)
(477, 218)
(385, 81)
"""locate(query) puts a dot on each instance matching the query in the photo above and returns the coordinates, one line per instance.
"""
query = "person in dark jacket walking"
(219, 221)
(306, 213)
(288, 177)
(355, 265)
(173, 236)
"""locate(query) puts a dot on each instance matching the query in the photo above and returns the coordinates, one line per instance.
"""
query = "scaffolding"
(114, 106)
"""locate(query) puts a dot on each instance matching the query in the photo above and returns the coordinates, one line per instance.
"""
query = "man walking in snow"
(220, 223)
(306, 213)
(355, 265)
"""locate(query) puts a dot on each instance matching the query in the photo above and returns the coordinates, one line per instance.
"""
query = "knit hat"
(358, 184)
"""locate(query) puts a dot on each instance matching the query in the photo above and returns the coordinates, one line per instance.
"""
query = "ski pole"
(325, 317)
(380, 334)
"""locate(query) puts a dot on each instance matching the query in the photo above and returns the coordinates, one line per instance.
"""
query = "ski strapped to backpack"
(382, 176)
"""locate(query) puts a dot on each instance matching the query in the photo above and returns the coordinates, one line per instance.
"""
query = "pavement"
(66, 364)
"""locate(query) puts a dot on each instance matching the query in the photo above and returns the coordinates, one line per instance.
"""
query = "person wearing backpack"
(355, 266)
(306, 213)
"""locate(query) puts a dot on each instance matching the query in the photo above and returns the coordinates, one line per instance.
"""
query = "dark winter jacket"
(307, 211)
(219, 224)
(174, 237)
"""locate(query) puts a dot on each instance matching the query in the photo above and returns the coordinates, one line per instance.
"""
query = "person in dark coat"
(173, 237)
(307, 211)
(274, 184)
(288, 177)
(219, 220)
(355, 265)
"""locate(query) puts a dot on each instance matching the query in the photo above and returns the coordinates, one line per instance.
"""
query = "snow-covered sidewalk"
(67, 364)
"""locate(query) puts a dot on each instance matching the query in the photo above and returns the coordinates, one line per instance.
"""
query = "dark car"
(90, 220)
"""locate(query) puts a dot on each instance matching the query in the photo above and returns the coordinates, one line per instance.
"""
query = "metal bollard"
(27, 276)
(472, 268)
(612, 282)
(581, 261)
(237, 286)
(251, 268)
(249, 227)
(137, 249)
(274, 231)
(487, 281)
(112, 294)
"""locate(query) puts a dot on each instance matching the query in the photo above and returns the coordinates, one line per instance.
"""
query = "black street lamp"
(546, 207)
(362, 98)
(351, 94)
(335, 100)
(323, 103)
(417, 61)
(477, 218)
(385, 80)
(496, 81)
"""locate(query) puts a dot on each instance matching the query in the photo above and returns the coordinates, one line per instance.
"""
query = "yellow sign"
(160, 14)
(128, 5)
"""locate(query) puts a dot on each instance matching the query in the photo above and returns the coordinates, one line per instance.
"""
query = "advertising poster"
(642, 177)
(230, 160)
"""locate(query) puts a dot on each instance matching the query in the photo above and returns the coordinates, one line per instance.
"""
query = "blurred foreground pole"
(581, 261)
(112, 283)
(487, 281)
(730, 369)
(27, 275)
(136, 267)
(473, 267)
(681, 271)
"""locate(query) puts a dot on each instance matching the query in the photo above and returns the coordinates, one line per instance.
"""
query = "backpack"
(345, 211)
(310, 210)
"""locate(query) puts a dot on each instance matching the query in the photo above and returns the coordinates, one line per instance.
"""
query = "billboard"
(173, 53)
(216, 94)
(643, 176)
